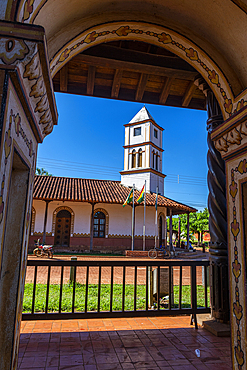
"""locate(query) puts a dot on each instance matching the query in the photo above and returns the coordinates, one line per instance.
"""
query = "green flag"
(129, 198)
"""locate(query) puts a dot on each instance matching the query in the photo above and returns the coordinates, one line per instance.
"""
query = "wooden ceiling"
(132, 71)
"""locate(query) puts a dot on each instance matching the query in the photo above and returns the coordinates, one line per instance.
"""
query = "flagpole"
(144, 217)
(156, 219)
(133, 220)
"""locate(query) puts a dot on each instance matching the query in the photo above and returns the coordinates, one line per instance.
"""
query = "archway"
(225, 72)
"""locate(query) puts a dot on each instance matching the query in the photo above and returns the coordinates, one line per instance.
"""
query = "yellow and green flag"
(141, 195)
(129, 198)
(156, 200)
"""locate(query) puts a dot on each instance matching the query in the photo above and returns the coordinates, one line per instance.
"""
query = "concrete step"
(217, 328)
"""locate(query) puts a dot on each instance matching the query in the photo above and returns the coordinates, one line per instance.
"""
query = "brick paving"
(126, 343)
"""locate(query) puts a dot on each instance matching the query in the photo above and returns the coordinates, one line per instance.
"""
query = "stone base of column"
(219, 292)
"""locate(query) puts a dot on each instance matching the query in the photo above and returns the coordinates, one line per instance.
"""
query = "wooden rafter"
(90, 79)
(141, 87)
(188, 94)
(116, 53)
(64, 78)
(135, 67)
(116, 83)
(133, 71)
(165, 90)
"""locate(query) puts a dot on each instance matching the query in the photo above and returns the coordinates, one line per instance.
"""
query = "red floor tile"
(126, 344)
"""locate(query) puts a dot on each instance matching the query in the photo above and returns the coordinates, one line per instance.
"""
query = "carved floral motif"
(29, 10)
(15, 119)
(236, 265)
(191, 53)
(33, 72)
(233, 137)
(12, 50)
(7, 150)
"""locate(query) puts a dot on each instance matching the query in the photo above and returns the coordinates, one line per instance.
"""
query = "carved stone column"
(27, 115)
(217, 219)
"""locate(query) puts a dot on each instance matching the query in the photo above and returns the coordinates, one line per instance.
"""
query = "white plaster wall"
(136, 178)
(127, 135)
(82, 213)
(120, 218)
(147, 156)
(39, 206)
(126, 159)
(147, 131)
(155, 140)
(155, 181)
(137, 139)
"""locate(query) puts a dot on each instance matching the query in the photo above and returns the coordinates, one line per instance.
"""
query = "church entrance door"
(62, 230)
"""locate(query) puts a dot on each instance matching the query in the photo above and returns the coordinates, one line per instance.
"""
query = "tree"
(201, 223)
(42, 172)
(198, 223)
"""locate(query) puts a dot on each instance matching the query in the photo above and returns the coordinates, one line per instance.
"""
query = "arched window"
(157, 162)
(153, 159)
(139, 158)
(99, 225)
(133, 158)
(62, 229)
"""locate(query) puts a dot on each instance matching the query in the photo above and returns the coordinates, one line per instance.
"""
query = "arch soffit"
(106, 219)
(28, 10)
(61, 208)
(161, 37)
(150, 33)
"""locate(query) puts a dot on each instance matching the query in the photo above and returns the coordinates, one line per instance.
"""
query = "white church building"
(77, 214)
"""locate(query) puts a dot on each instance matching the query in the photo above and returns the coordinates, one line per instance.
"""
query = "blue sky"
(88, 143)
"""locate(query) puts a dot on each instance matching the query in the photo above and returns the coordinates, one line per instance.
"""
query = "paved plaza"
(127, 343)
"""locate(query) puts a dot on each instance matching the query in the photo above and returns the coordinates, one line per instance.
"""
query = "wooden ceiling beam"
(135, 67)
(64, 78)
(90, 79)
(165, 90)
(125, 54)
(116, 83)
(188, 94)
(141, 87)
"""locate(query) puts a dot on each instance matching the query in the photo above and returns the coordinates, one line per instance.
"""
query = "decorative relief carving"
(28, 10)
(7, 150)
(33, 220)
(236, 136)
(166, 38)
(237, 307)
(38, 94)
(12, 49)
(55, 215)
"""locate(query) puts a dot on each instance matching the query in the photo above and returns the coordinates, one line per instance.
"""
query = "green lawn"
(54, 293)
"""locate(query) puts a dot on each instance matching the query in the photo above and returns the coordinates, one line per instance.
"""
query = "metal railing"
(133, 276)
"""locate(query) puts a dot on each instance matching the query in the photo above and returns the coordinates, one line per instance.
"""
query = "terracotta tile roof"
(100, 191)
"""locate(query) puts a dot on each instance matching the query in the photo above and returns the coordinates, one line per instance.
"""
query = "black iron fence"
(58, 289)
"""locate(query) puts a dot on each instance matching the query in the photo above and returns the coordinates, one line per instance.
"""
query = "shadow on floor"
(114, 344)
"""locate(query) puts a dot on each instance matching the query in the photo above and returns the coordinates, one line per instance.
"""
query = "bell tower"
(143, 153)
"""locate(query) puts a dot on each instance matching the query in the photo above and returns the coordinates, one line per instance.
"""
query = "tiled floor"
(114, 344)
